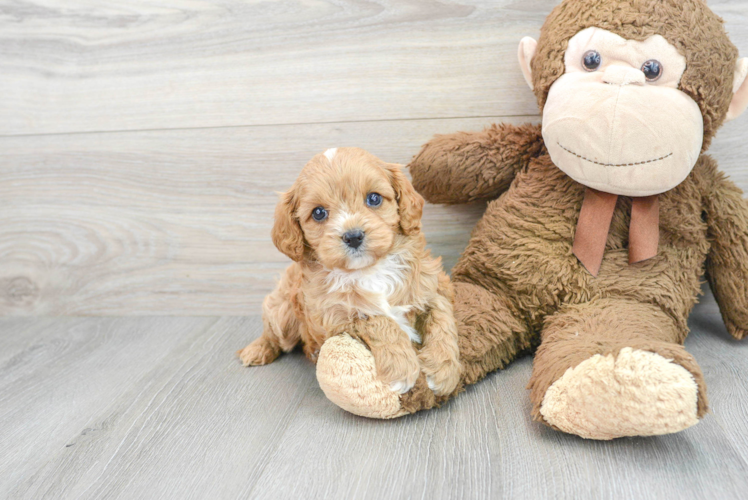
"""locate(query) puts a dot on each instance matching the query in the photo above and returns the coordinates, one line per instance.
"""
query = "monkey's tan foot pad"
(347, 375)
(639, 393)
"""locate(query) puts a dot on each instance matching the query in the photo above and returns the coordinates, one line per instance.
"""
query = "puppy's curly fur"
(388, 292)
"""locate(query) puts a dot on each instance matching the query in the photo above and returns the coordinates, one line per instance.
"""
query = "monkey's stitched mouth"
(613, 164)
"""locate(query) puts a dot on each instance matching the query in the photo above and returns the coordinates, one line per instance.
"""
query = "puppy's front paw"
(443, 379)
(405, 384)
(402, 386)
(444, 383)
(259, 352)
(398, 368)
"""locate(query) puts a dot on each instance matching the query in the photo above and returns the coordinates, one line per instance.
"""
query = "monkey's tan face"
(616, 121)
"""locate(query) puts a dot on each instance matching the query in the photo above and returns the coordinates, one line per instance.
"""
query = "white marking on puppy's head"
(339, 223)
(330, 153)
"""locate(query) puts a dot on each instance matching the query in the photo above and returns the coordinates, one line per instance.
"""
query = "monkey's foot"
(637, 393)
(348, 377)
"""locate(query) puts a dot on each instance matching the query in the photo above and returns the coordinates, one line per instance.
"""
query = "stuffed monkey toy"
(600, 224)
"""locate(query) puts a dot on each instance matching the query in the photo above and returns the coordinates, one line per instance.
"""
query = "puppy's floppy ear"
(409, 202)
(287, 235)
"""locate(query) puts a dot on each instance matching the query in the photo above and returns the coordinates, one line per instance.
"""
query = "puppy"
(352, 225)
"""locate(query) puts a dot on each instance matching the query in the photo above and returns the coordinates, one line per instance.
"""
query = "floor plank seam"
(258, 125)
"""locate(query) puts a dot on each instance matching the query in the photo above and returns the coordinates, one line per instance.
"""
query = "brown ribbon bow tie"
(594, 224)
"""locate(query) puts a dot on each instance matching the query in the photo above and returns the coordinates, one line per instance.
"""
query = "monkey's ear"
(409, 202)
(739, 90)
(287, 235)
(525, 53)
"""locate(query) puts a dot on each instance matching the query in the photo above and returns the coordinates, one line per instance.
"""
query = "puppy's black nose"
(354, 238)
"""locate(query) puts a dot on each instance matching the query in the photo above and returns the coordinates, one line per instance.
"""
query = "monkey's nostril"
(354, 238)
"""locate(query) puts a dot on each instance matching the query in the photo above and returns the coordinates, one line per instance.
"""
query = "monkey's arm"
(727, 263)
(471, 166)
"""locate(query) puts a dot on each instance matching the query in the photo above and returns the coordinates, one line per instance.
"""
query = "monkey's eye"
(374, 199)
(319, 214)
(652, 70)
(591, 60)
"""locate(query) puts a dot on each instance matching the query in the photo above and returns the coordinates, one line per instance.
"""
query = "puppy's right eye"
(319, 214)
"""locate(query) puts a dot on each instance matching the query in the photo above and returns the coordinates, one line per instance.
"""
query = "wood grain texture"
(90, 66)
(160, 401)
(171, 413)
(63, 370)
(178, 222)
(83, 65)
(172, 222)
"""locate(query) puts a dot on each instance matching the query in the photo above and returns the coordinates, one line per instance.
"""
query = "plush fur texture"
(637, 393)
(346, 372)
(388, 293)
(520, 252)
(519, 287)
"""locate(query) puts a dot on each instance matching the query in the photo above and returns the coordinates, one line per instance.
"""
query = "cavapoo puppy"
(352, 225)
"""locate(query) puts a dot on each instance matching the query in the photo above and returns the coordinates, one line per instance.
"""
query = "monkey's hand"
(727, 263)
(470, 166)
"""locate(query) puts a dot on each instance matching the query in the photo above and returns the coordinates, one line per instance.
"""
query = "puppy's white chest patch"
(382, 281)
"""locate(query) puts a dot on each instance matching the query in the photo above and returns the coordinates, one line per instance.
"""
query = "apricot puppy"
(352, 225)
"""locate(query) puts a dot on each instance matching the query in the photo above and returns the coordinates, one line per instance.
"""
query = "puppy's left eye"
(373, 199)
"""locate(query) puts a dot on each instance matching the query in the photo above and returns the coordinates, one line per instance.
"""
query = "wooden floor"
(141, 146)
(128, 408)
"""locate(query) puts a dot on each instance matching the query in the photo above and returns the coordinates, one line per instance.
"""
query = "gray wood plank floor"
(160, 408)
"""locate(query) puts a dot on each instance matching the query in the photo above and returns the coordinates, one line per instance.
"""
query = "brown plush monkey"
(602, 222)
